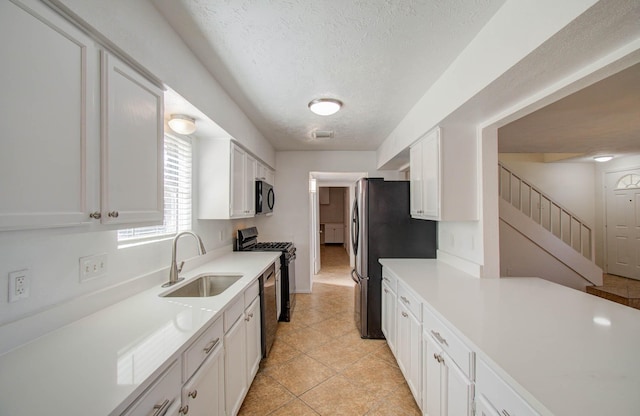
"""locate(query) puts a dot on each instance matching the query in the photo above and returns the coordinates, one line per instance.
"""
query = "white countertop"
(102, 362)
(539, 336)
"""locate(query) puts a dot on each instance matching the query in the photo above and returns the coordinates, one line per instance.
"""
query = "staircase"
(557, 245)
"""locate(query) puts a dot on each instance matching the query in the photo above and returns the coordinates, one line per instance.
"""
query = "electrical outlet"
(19, 283)
(93, 266)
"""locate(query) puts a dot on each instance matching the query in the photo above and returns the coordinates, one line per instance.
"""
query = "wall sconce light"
(182, 124)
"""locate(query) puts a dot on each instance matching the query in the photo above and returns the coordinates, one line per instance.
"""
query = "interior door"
(623, 226)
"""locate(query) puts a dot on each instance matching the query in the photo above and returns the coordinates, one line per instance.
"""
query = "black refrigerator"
(382, 227)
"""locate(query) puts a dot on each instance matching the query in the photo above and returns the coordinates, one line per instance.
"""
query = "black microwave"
(265, 198)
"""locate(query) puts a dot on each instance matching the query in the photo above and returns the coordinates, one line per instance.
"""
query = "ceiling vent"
(322, 134)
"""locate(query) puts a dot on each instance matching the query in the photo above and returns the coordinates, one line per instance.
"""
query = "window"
(177, 196)
(629, 181)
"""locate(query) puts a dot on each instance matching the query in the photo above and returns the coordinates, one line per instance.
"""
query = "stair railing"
(545, 211)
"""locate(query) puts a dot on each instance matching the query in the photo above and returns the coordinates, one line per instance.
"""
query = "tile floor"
(618, 289)
(319, 365)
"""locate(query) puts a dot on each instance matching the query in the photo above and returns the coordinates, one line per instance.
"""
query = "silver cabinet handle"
(184, 409)
(96, 215)
(405, 300)
(505, 413)
(386, 290)
(210, 346)
(439, 337)
(114, 214)
(193, 394)
(386, 279)
(161, 409)
(404, 314)
(438, 357)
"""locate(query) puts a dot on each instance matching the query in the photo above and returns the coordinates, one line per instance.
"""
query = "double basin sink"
(204, 286)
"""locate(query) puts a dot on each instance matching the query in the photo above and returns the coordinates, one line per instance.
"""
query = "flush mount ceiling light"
(325, 106)
(182, 124)
(602, 158)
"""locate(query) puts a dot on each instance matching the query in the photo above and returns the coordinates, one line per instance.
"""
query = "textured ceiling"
(377, 56)
(603, 118)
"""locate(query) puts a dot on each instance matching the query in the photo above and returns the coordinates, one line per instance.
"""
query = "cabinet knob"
(405, 314)
(405, 300)
(184, 409)
(113, 214)
(193, 394)
(96, 215)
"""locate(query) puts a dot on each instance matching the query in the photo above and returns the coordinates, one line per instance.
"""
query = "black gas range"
(248, 241)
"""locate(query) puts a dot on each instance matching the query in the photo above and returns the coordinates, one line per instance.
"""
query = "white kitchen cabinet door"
(132, 146)
(409, 349)
(250, 185)
(334, 233)
(446, 390)
(270, 177)
(49, 117)
(416, 186)
(432, 387)
(237, 179)
(484, 408)
(254, 340)
(443, 176)
(389, 316)
(235, 367)
(163, 394)
(203, 394)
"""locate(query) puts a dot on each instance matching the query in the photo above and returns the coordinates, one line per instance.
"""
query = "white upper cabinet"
(49, 82)
(65, 116)
(132, 145)
(264, 173)
(227, 176)
(443, 176)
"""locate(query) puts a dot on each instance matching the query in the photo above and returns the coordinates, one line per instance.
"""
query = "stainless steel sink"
(205, 286)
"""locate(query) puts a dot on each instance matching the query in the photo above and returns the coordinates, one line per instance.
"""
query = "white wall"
(291, 218)
(572, 185)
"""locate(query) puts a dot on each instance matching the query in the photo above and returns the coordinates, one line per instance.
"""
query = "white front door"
(623, 223)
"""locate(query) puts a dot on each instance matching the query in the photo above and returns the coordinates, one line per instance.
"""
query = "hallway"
(319, 365)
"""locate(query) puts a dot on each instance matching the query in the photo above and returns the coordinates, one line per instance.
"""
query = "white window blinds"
(177, 196)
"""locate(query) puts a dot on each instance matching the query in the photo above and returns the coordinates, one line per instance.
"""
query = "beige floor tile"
(306, 317)
(385, 354)
(306, 339)
(338, 396)
(374, 374)
(400, 402)
(334, 326)
(300, 374)
(280, 353)
(336, 354)
(366, 346)
(264, 396)
(295, 407)
(285, 328)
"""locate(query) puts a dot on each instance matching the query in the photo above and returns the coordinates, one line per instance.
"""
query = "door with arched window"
(623, 223)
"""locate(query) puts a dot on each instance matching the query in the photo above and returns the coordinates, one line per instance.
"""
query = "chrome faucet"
(175, 269)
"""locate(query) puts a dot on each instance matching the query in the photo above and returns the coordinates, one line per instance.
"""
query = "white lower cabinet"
(447, 391)
(409, 349)
(243, 347)
(496, 394)
(203, 394)
(389, 314)
(484, 408)
(162, 396)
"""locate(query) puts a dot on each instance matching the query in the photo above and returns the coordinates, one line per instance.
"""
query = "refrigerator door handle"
(355, 228)
(355, 278)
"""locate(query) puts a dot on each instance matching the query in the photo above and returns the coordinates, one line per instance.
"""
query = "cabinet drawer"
(162, 393)
(390, 279)
(410, 301)
(454, 347)
(233, 312)
(202, 348)
(251, 293)
(499, 394)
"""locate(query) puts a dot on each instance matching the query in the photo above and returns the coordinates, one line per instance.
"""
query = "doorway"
(333, 222)
(623, 223)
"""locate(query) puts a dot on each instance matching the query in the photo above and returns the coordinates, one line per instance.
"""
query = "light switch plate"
(93, 266)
